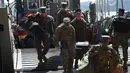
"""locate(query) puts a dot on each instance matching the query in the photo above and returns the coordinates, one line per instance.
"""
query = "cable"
(108, 7)
(122, 4)
(116, 6)
(12, 3)
(112, 3)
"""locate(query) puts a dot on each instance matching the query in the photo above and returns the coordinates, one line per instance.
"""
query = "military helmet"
(106, 37)
(66, 20)
(43, 7)
(64, 3)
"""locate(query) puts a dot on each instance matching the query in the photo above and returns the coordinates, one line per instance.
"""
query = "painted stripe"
(17, 59)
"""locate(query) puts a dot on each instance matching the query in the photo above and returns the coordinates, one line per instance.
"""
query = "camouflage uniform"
(47, 24)
(104, 56)
(66, 35)
(79, 26)
(98, 59)
(62, 14)
(105, 60)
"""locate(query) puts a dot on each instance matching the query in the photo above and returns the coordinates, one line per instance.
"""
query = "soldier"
(46, 22)
(62, 13)
(103, 55)
(80, 25)
(65, 34)
(120, 36)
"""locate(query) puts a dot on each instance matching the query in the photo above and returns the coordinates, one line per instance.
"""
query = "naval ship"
(18, 54)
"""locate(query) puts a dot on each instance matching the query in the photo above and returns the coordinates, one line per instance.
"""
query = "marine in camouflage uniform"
(46, 22)
(120, 36)
(62, 13)
(65, 33)
(105, 59)
(80, 25)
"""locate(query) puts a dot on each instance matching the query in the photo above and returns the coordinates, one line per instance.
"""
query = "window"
(33, 4)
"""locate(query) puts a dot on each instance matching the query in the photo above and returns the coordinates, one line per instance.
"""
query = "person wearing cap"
(65, 34)
(101, 58)
(62, 13)
(120, 35)
(46, 22)
(106, 54)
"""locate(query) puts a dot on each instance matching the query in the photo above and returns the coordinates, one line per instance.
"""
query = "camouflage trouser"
(42, 49)
(67, 57)
(121, 39)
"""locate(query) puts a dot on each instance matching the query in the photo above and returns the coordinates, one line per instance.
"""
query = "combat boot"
(65, 71)
(125, 68)
(44, 58)
(40, 62)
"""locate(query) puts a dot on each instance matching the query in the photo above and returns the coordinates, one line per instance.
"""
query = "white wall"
(1, 3)
(5, 42)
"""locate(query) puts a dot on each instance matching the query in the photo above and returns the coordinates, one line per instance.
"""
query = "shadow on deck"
(52, 64)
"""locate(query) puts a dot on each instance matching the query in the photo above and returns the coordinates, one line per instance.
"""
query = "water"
(112, 13)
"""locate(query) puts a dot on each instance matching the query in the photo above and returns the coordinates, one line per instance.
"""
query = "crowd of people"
(68, 28)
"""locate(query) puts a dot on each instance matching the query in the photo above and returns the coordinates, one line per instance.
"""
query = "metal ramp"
(30, 62)
(27, 60)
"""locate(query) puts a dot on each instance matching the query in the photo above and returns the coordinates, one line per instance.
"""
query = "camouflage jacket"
(47, 23)
(80, 26)
(62, 14)
(103, 58)
(65, 34)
